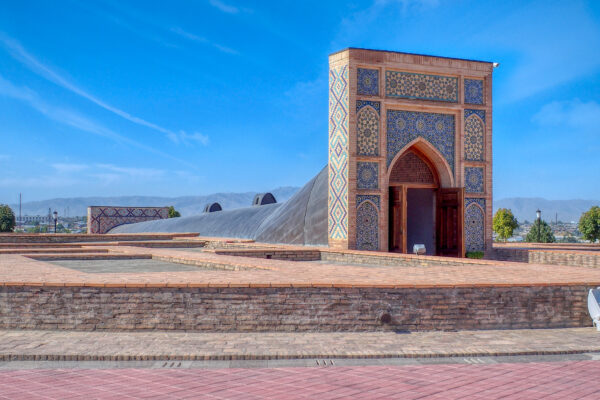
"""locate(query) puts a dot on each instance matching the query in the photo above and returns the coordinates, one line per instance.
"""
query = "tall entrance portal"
(410, 153)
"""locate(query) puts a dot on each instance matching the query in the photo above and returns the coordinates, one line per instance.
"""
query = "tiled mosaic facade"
(409, 85)
(102, 219)
(368, 175)
(474, 136)
(381, 103)
(473, 91)
(474, 224)
(368, 82)
(405, 126)
(338, 152)
(367, 227)
(367, 127)
(474, 180)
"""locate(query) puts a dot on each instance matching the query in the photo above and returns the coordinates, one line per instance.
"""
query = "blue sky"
(189, 97)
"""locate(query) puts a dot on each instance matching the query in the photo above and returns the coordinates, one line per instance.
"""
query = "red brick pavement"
(539, 380)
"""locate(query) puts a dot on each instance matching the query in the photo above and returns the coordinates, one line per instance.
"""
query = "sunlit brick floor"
(536, 380)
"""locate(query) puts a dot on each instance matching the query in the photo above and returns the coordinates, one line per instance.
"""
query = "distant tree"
(589, 224)
(504, 223)
(173, 213)
(545, 233)
(7, 219)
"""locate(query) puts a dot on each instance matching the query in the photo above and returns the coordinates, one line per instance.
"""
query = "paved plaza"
(536, 380)
(218, 270)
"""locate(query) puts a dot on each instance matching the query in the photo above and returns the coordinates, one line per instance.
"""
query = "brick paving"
(538, 380)
(77, 345)
(245, 271)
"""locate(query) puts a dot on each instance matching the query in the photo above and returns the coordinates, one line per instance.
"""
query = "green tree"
(504, 223)
(173, 213)
(589, 224)
(542, 231)
(7, 219)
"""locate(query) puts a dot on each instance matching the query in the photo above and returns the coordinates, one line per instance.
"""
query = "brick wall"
(556, 257)
(292, 309)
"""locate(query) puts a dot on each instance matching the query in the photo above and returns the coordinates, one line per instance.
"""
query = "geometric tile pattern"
(373, 198)
(474, 226)
(473, 200)
(102, 219)
(338, 153)
(479, 113)
(474, 179)
(368, 175)
(368, 82)
(367, 127)
(473, 91)
(408, 85)
(474, 138)
(405, 126)
(367, 227)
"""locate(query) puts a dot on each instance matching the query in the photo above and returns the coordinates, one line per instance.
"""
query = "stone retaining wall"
(246, 309)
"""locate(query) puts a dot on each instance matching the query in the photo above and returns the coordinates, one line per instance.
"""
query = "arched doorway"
(424, 206)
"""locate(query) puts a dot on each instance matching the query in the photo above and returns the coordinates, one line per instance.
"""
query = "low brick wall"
(290, 255)
(246, 309)
(556, 257)
(392, 259)
(61, 238)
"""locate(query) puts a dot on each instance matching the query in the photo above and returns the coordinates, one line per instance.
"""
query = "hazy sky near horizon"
(188, 98)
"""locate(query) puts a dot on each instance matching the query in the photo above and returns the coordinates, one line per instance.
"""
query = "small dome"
(263, 198)
(212, 207)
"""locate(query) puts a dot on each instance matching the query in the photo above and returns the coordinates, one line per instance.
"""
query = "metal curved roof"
(300, 220)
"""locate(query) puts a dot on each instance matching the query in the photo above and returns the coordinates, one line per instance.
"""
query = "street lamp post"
(538, 213)
(55, 219)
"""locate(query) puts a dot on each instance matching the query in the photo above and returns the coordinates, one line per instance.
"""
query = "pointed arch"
(434, 158)
(474, 142)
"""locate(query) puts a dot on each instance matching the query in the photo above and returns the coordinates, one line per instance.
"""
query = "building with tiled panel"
(410, 152)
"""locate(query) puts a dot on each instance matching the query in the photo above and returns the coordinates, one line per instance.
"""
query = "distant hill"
(524, 208)
(187, 205)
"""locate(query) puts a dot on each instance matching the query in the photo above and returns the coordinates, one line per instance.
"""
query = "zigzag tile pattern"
(338, 153)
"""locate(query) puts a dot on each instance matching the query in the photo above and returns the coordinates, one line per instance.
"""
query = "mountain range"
(523, 208)
(187, 205)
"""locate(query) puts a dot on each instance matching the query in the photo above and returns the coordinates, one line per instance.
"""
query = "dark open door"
(397, 219)
(450, 222)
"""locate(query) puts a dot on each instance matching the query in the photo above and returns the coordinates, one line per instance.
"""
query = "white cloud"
(40, 182)
(24, 57)
(574, 114)
(69, 168)
(133, 172)
(203, 40)
(185, 138)
(73, 119)
(226, 8)
(545, 56)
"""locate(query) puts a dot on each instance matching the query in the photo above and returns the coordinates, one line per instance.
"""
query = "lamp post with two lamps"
(55, 214)
(538, 214)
